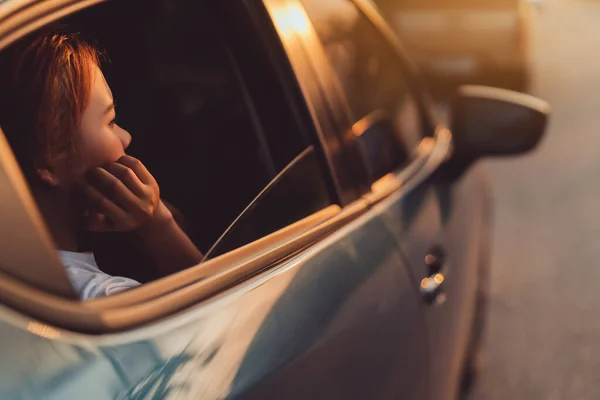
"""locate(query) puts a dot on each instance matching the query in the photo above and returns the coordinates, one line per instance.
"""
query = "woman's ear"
(48, 177)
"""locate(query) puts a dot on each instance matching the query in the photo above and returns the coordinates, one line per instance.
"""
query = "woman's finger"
(128, 177)
(140, 169)
(105, 205)
(110, 187)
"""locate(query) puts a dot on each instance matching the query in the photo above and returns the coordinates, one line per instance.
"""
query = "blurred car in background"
(465, 41)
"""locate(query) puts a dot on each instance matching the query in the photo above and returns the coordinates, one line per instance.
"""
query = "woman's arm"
(167, 244)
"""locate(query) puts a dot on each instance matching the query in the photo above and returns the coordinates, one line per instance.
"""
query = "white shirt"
(87, 279)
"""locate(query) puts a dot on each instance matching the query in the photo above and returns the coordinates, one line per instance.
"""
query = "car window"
(369, 72)
(210, 142)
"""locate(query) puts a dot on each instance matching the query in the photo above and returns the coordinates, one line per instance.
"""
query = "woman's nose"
(123, 136)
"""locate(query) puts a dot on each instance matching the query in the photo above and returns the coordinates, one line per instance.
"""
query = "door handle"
(431, 286)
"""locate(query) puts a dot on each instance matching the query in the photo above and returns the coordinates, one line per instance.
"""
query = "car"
(346, 231)
(466, 41)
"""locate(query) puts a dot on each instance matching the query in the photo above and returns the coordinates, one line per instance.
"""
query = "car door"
(318, 303)
(439, 224)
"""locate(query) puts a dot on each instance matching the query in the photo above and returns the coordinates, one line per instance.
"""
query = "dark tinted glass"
(369, 71)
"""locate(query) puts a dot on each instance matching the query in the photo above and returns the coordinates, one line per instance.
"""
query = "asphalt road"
(543, 332)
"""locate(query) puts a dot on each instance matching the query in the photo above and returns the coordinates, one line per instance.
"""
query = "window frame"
(163, 300)
(19, 18)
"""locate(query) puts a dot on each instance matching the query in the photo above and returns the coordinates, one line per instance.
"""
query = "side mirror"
(496, 122)
(488, 121)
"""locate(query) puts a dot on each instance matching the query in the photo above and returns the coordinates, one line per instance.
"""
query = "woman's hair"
(47, 84)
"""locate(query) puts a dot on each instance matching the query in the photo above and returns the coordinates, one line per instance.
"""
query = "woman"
(59, 118)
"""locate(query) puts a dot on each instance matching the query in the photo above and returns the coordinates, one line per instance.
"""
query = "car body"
(467, 41)
(369, 291)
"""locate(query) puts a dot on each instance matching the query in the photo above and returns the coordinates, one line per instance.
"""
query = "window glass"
(297, 192)
(369, 72)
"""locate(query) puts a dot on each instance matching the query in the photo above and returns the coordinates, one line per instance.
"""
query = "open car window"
(217, 147)
(193, 121)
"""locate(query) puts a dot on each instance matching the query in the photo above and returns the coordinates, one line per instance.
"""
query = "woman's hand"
(124, 196)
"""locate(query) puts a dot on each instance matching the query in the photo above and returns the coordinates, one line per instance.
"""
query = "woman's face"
(102, 141)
